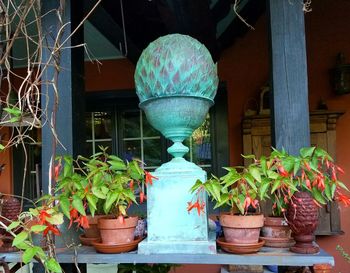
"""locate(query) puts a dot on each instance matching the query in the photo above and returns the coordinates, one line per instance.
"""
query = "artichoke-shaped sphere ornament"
(176, 82)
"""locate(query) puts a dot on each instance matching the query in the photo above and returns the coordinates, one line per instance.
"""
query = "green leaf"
(2, 147)
(255, 173)
(98, 193)
(328, 191)
(197, 185)
(68, 166)
(13, 111)
(333, 188)
(38, 228)
(28, 254)
(248, 156)
(65, 205)
(53, 265)
(122, 209)
(24, 245)
(263, 164)
(342, 185)
(13, 225)
(91, 201)
(297, 164)
(288, 163)
(263, 189)
(224, 200)
(216, 189)
(322, 153)
(117, 165)
(20, 238)
(249, 178)
(318, 196)
(307, 151)
(77, 203)
(276, 184)
(111, 198)
(56, 219)
(272, 174)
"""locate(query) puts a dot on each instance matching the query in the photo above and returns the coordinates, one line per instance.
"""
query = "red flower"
(42, 216)
(199, 206)
(57, 171)
(82, 221)
(142, 197)
(343, 198)
(149, 178)
(53, 229)
(73, 214)
(282, 171)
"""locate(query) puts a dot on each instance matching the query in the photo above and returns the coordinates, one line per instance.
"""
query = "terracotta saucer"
(104, 248)
(239, 248)
(278, 242)
(87, 241)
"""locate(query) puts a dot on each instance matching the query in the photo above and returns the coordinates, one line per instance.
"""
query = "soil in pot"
(114, 232)
(239, 229)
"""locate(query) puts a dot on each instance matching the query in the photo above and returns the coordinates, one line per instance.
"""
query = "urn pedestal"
(176, 81)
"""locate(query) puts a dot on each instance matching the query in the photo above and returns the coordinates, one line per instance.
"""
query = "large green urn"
(176, 81)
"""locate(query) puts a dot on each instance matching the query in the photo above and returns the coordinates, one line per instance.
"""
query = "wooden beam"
(289, 96)
(110, 29)
(70, 116)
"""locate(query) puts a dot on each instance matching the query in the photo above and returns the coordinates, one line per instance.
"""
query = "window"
(133, 137)
(114, 120)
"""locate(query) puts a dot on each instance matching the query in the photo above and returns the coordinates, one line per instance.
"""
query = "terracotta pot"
(303, 219)
(114, 232)
(93, 231)
(322, 268)
(240, 229)
(276, 232)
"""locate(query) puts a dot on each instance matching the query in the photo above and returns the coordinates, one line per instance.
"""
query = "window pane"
(88, 149)
(88, 126)
(151, 150)
(131, 122)
(148, 130)
(132, 149)
(103, 125)
(200, 144)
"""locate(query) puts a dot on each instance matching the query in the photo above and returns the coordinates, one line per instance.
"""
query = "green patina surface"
(176, 81)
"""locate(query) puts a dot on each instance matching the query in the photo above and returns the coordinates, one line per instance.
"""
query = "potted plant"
(239, 191)
(315, 175)
(104, 184)
(297, 186)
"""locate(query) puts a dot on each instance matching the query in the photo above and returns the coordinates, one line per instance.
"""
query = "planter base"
(305, 244)
(188, 247)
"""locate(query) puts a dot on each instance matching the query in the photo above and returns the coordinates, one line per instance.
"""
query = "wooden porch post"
(70, 119)
(70, 116)
(289, 104)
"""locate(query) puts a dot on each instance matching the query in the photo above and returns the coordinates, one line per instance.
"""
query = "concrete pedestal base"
(186, 247)
(171, 228)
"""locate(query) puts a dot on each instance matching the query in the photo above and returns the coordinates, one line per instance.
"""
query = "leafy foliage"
(276, 177)
(102, 183)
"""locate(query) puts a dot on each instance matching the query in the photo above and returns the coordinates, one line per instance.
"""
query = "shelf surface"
(266, 256)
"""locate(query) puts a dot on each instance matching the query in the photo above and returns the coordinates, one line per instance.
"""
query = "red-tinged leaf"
(340, 170)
